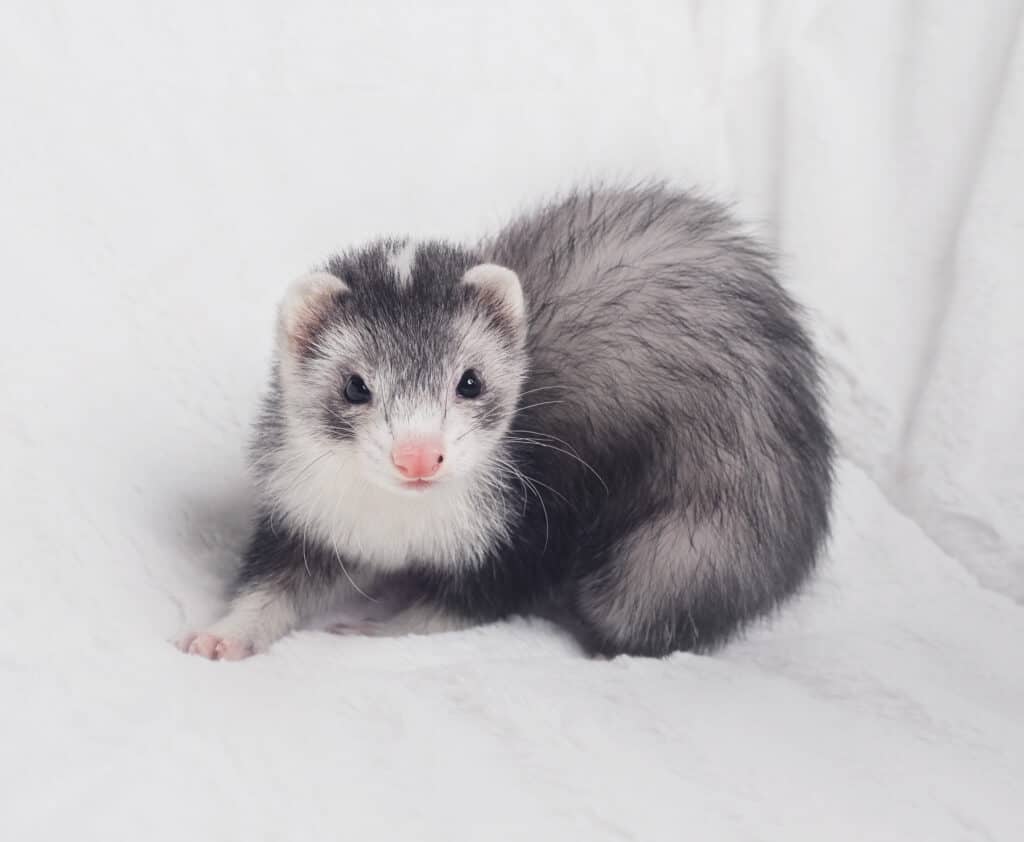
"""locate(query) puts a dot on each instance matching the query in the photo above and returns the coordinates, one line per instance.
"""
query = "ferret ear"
(499, 284)
(304, 308)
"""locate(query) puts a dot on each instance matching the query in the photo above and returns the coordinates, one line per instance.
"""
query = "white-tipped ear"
(304, 306)
(500, 284)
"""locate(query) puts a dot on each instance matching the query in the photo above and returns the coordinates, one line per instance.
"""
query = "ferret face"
(403, 365)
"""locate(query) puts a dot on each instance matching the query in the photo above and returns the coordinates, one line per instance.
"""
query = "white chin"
(416, 486)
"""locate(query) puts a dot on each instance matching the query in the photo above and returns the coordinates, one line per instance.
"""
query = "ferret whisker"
(305, 559)
(536, 481)
(344, 570)
(540, 389)
(568, 453)
(544, 509)
(512, 469)
(539, 403)
(558, 494)
(296, 480)
(521, 431)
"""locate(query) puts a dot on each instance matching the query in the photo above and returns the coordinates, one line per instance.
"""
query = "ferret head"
(403, 364)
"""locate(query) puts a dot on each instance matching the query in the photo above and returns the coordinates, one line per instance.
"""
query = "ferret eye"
(356, 390)
(469, 384)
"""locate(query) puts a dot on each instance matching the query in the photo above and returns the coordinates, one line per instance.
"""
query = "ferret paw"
(215, 648)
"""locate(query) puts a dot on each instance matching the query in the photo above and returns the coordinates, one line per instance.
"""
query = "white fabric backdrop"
(165, 171)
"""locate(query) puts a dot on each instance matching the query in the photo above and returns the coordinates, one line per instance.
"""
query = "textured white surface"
(165, 172)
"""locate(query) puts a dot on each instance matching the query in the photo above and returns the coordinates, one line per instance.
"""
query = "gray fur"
(653, 316)
(650, 462)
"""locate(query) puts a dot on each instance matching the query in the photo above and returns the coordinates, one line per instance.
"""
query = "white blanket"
(165, 171)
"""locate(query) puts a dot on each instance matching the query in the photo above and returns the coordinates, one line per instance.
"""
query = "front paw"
(216, 647)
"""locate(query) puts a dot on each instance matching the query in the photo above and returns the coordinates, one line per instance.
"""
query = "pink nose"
(418, 458)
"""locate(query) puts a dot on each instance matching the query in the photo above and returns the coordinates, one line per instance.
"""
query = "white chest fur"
(324, 494)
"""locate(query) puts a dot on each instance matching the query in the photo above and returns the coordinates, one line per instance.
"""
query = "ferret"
(608, 414)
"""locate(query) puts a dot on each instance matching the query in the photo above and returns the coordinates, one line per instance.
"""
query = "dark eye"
(356, 390)
(469, 384)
